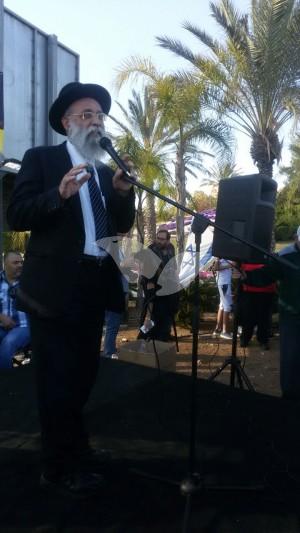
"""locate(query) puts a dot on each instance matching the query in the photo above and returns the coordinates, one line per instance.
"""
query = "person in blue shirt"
(113, 321)
(14, 329)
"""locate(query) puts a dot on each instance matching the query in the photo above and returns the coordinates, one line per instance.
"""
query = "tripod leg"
(236, 371)
(220, 369)
(243, 375)
(187, 514)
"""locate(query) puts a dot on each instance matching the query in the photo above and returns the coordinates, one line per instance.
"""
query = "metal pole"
(52, 81)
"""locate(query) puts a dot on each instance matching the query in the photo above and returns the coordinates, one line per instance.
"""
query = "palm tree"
(254, 73)
(145, 138)
(179, 101)
(222, 169)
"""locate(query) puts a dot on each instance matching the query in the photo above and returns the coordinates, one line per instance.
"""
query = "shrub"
(284, 232)
(209, 299)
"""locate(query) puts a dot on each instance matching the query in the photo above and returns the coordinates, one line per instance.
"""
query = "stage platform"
(247, 448)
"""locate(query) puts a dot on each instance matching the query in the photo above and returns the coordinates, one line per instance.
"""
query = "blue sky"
(106, 32)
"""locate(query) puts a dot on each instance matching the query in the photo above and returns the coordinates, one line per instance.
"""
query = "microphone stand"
(193, 482)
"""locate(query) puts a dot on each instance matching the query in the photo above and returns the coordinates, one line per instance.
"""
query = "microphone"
(106, 145)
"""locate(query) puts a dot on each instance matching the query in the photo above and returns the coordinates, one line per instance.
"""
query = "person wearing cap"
(289, 313)
(67, 277)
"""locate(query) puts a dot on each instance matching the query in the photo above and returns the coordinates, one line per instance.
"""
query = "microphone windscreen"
(105, 143)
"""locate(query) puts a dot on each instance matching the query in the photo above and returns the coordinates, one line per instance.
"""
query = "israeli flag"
(187, 269)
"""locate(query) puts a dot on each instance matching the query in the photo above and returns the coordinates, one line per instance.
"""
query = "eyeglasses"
(88, 115)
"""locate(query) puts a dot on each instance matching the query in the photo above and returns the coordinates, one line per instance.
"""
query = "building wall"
(35, 67)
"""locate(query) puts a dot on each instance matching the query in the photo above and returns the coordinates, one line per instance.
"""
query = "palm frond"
(132, 68)
(177, 48)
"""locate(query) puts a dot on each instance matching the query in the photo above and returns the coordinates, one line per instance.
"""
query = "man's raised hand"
(73, 180)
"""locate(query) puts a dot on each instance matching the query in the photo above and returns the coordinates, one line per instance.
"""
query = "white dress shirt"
(90, 246)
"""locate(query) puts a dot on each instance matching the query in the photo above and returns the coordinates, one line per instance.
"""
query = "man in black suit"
(67, 277)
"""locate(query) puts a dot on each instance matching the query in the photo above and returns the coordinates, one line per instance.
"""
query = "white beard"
(86, 140)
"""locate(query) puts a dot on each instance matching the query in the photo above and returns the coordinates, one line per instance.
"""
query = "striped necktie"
(98, 208)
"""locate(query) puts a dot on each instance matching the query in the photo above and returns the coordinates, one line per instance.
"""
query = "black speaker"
(245, 208)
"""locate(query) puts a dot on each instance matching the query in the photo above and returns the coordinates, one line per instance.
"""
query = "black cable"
(156, 356)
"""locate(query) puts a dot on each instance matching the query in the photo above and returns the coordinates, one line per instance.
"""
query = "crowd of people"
(59, 298)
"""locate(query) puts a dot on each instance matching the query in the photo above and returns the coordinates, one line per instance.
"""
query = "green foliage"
(164, 212)
(201, 201)
(209, 299)
(15, 240)
(287, 215)
(285, 232)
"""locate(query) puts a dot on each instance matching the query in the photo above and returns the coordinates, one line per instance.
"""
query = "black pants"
(163, 313)
(255, 310)
(66, 353)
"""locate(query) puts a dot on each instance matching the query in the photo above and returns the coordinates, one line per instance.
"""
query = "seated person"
(14, 329)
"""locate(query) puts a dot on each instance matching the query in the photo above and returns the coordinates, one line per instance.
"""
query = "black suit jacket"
(57, 238)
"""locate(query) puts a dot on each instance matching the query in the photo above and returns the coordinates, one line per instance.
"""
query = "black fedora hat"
(75, 91)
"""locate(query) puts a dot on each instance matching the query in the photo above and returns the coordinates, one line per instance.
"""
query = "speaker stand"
(236, 370)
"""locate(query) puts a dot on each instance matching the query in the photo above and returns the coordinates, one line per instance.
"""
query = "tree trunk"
(150, 218)
(265, 168)
(264, 150)
(264, 155)
(181, 198)
(140, 222)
